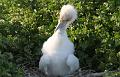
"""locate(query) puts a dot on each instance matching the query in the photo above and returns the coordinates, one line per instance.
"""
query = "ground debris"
(35, 72)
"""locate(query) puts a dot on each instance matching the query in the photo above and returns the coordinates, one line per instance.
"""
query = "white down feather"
(58, 51)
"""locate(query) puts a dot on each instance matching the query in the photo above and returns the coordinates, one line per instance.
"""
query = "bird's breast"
(58, 64)
(58, 44)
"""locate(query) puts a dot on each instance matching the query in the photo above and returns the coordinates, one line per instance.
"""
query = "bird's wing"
(43, 63)
(73, 63)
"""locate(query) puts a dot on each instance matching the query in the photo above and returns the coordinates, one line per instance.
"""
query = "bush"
(112, 74)
(7, 67)
(26, 24)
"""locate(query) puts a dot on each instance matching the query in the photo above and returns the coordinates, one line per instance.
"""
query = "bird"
(58, 57)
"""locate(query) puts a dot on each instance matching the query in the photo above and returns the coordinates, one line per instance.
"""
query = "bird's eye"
(65, 20)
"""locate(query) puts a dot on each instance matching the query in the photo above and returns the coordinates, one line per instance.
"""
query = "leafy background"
(26, 24)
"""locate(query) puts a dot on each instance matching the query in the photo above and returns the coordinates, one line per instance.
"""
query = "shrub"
(7, 67)
(26, 24)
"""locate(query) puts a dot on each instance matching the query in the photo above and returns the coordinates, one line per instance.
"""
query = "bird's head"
(68, 14)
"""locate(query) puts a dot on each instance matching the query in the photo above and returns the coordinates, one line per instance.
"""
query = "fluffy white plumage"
(69, 13)
(58, 51)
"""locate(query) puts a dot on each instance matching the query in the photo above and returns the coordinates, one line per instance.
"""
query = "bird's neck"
(61, 31)
(61, 28)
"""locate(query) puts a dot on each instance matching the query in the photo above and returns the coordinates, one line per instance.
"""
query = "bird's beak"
(61, 26)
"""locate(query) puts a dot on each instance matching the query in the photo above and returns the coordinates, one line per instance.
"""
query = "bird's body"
(58, 54)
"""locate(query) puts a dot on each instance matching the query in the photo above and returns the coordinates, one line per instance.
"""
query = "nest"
(35, 72)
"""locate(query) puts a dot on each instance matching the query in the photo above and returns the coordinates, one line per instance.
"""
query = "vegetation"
(7, 67)
(26, 24)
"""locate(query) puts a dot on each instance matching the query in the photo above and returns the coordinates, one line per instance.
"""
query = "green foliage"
(26, 24)
(7, 67)
(111, 74)
(94, 35)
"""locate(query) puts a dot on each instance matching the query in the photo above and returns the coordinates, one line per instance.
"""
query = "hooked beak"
(61, 26)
